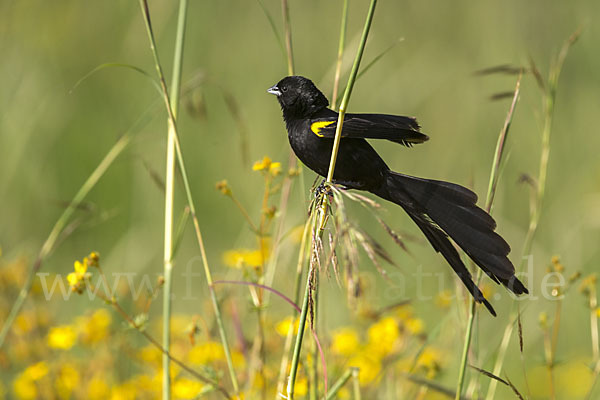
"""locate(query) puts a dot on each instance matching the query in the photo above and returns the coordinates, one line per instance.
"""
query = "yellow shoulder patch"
(316, 127)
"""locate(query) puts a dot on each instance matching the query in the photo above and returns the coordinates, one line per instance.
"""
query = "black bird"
(440, 209)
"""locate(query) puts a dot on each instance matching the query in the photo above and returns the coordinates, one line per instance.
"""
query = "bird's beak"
(274, 90)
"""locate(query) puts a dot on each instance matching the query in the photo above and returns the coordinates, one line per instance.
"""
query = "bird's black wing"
(398, 129)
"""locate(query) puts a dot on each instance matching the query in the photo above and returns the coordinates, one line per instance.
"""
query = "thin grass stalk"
(344, 106)
(323, 211)
(292, 160)
(257, 358)
(593, 303)
(348, 91)
(58, 228)
(549, 100)
(314, 353)
(189, 198)
(340, 54)
(288, 36)
(493, 183)
(340, 383)
(498, 364)
(169, 200)
(594, 323)
(290, 333)
(299, 336)
(356, 384)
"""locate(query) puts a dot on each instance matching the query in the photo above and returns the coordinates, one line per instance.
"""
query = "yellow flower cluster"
(223, 187)
(89, 329)
(268, 166)
(62, 337)
(239, 258)
(283, 326)
(24, 386)
(77, 279)
(386, 338)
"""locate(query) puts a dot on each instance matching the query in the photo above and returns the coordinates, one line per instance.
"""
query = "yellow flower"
(369, 368)
(404, 312)
(94, 259)
(244, 257)
(80, 268)
(24, 323)
(24, 388)
(588, 283)
(556, 265)
(343, 393)
(275, 168)
(77, 279)
(430, 361)
(238, 359)
(24, 385)
(283, 326)
(184, 388)
(301, 387)
(62, 337)
(66, 381)
(124, 391)
(415, 326)
(345, 342)
(223, 187)
(294, 172)
(97, 389)
(36, 371)
(258, 382)
(150, 355)
(94, 328)
(383, 335)
(263, 164)
(206, 352)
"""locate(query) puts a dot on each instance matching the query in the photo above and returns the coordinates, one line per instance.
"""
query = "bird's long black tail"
(441, 209)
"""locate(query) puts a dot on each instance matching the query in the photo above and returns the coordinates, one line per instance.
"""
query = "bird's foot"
(322, 189)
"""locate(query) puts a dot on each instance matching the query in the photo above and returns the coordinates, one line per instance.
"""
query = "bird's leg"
(323, 188)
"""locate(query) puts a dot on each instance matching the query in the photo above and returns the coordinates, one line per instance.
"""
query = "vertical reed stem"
(169, 200)
(338, 65)
(188, 192)
(493, 183)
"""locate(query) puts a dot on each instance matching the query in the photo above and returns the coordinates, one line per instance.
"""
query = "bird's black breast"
(357, 166)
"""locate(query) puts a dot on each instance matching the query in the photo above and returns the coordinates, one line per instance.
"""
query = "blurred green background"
(52, 136)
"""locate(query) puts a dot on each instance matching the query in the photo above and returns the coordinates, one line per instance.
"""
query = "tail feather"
(441, 209)
(441, 244)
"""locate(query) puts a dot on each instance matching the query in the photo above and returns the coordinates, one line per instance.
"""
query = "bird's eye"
(284, 88)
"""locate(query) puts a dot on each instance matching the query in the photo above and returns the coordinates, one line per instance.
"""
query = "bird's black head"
(298, 97)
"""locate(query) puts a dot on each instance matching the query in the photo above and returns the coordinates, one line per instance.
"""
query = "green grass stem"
(549, 101)
(340, 54)
(340, 383)
(299, 337)
(169, 200)
(323, 211)
(184, 176)
(285, 10)
(493, 183)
